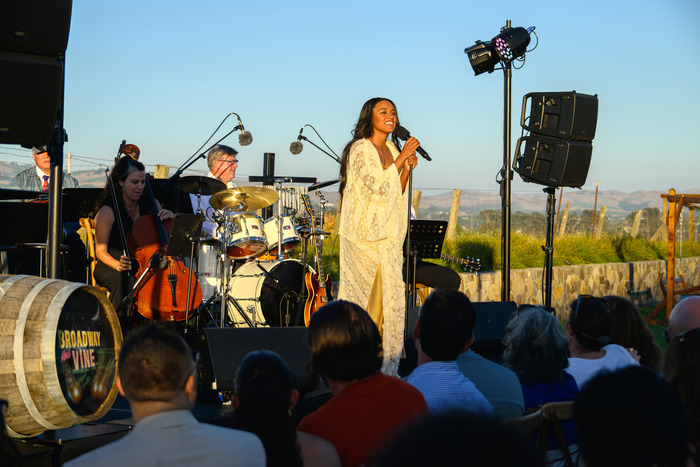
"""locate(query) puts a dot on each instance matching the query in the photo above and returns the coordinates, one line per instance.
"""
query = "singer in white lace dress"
(373, 218)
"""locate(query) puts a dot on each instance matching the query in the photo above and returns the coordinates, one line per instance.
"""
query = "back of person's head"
(154, 363)
(681, 367)
(458, 438)
(446, 320)
(264, 385)
(630, 331)
(685, 316)
(345, 343)
(536, 347)
(591, 322)
(630, 417)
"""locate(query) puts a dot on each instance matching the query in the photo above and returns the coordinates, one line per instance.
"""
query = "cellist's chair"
(89, 226)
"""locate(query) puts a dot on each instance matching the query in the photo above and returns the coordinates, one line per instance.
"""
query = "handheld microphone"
(403, 134)
(296, 147)
(245, 138)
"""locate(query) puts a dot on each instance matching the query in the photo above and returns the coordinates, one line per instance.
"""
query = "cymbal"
(319, 185)
(244, 198)
(203, 185)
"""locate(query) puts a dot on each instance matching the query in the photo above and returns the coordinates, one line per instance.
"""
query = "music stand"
(185, 228)
(426, 241)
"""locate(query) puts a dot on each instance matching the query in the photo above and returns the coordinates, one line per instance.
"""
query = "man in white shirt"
(223, 162)
(444, 330)
(158, 376)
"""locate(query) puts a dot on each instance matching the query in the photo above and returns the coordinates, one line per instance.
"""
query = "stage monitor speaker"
(490, 327)
(553, 162)
(566, 115)
(29, 98)
(222, 350)
(35, 27)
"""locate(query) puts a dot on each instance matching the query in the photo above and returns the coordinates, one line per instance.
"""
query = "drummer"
(222, 161)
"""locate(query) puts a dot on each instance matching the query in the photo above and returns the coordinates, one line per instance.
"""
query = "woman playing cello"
(128, 179)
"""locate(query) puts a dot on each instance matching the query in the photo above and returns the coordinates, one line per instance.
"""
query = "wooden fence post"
(454, 211)
(564, 218)
(601, 221)
(691, 224)
(636, 223)
(415, 201)
(161, 171)
(664, 216)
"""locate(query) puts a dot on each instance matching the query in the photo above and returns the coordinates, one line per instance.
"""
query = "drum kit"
(245, 268)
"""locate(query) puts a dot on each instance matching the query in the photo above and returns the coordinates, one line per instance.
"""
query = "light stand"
(509, 45)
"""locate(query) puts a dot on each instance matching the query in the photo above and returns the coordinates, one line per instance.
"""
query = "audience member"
(685, 315)
(445, 329)
(458, 438)
(591, 347)
(631, 417)
(499, 385)
(157, 374)
(367, 405)
(681, 367)
(631, 332)
(537, 351)
(264, 397)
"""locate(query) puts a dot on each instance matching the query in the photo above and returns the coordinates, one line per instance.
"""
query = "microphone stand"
(193, 159)
(409, 294)
(334, 157)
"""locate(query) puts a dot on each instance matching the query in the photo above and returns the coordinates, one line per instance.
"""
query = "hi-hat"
(203, 185)
(244, 198)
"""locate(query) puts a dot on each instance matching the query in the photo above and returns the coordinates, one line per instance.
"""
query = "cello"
(164, 292)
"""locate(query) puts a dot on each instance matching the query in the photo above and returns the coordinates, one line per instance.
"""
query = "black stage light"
(482, 57)
(512, 43)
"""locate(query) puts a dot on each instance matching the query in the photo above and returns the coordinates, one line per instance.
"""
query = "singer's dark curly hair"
(363, 129)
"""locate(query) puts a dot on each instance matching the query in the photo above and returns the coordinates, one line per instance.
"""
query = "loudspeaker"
(490, 327)
(222, 349)
(29, 95)
(566, 115)
(33, 38)
(553, 162)
(35, 27)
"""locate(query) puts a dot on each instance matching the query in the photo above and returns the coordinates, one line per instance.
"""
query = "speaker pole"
(506, 177)
(549, 247)
(55, 150)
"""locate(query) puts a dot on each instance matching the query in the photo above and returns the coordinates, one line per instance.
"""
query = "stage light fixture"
(512, 43)
(482, 57)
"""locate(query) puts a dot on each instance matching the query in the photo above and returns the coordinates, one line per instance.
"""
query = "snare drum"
(246, 238)
(290, 238)
(268, 291)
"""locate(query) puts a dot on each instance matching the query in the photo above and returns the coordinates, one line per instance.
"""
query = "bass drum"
(269, 293)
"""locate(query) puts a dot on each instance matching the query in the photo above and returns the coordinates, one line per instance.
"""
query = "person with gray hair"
(223, 162)
(685, 316)
(537, 351)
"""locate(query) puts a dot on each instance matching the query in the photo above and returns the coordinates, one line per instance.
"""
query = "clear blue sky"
(163, 74)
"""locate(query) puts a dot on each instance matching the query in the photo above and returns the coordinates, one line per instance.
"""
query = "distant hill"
(617, 203)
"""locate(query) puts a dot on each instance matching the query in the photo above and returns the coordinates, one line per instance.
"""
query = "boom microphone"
(245, 138)
(403, 134)
(296, 147)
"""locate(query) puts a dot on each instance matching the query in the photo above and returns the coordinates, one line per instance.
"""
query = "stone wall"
(640, 278)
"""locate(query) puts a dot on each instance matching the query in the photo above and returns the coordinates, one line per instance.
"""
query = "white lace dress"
(372, 230)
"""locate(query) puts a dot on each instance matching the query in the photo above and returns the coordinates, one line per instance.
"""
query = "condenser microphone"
(403, 134)
(245, 138)
(296, 147)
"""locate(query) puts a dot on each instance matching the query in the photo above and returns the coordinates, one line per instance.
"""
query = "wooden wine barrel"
(59, 343)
